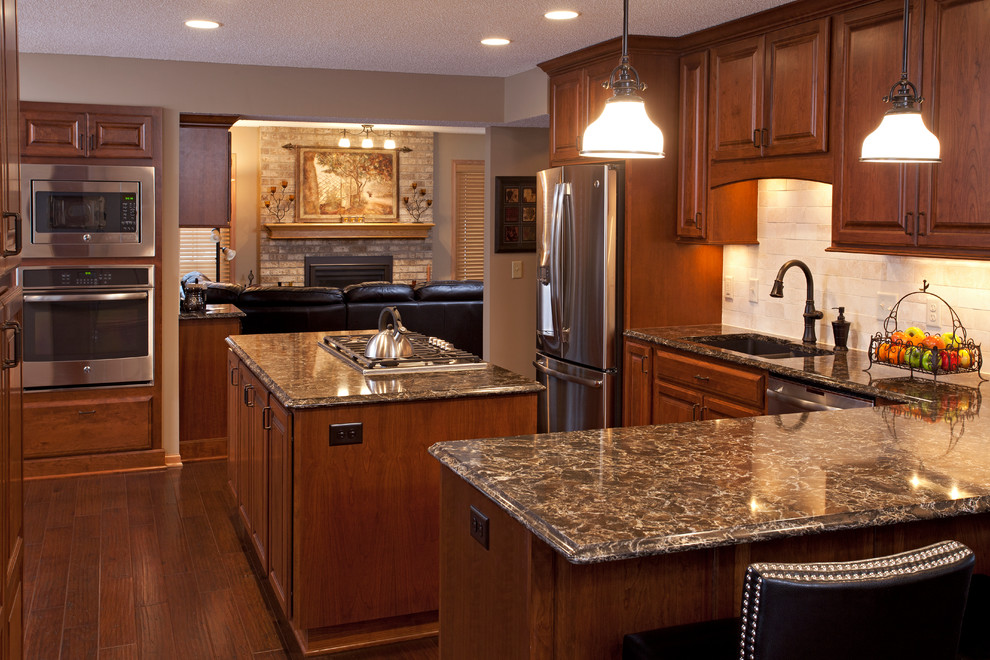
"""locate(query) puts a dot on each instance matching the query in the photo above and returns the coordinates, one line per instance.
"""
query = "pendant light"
(623, 130)
(902, 136)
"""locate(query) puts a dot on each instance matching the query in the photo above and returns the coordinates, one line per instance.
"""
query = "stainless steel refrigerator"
(579, 298)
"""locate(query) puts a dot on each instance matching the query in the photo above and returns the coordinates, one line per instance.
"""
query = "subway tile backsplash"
(795, 223)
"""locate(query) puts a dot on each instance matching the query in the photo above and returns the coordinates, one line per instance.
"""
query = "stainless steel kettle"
(390, 342)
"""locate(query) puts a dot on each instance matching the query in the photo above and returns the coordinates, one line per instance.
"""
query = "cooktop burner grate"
(429, 354)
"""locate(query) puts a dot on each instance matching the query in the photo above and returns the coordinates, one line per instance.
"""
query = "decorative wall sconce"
(417, 203)
(275, 199)
(366, 137)
(227, 253)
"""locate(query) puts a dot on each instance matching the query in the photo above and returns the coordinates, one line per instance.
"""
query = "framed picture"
(515, 214)
(347, 183)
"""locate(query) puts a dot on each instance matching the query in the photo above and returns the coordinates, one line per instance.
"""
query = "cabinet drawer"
(87, 426)
(710, 376)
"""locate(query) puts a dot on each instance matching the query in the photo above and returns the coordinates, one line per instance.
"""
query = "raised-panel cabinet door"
(715, 408)
(874, 204)
(637, 384)
(49, 133)
(10, 230)
(796, 89)
(958, 211)
(233, 376)
(567, 109)
(692, 191)
(736, 99)
(256, 456)
(280, 504)
(120, 136)
(672, 404)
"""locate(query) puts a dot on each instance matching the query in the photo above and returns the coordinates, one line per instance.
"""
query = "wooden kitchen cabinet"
(55, 130)
(203, 386)
(637, 376)
(769, 94)
(204, 170)
(925, 210)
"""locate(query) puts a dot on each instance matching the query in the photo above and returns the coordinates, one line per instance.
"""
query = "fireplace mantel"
(299, 230)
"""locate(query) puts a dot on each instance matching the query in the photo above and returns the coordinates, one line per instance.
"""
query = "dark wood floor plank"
(139, 504)
(125, 652)
(185, 607)
(82, 601)
(89, 495)
(188, 496)
(114, 491)
(270, 655)
(117, 618)
(172, 541)
(63, 504)
(146, 562)
(43, 634)
(115, 547)
(220, 514)
(155, 632)
(38, 497)
(226, 632)
(80, 644)
(53, 570)
(256, 617)
(210, 573)
(162, 486)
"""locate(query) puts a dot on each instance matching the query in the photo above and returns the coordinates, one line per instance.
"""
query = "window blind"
(469, 220)
(197, 251)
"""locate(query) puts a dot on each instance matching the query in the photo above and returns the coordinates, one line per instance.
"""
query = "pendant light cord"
(625, 32)
(907, 35)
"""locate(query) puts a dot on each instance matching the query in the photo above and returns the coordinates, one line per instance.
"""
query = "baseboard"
(66, 466)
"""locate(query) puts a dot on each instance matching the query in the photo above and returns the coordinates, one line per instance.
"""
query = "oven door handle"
(85, 297)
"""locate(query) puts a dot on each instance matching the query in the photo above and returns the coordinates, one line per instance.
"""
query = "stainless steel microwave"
(89, 210)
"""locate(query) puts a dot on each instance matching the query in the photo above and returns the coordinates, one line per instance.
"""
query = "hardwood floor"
(149, 565)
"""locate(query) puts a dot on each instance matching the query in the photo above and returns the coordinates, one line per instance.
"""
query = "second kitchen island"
(335, 488)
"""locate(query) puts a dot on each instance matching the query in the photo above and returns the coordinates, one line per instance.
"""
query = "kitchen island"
(334, 486)
(595, 534)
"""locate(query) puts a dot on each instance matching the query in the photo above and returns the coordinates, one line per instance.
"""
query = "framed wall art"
(515, 214)
(357, 184)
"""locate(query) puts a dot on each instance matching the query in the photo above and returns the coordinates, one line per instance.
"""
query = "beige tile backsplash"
(795, 223)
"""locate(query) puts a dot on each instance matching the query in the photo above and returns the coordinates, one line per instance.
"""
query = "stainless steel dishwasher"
(787, 396)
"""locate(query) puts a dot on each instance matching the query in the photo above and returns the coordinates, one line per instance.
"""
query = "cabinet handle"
(765, 141)
(919, 225)
(86, 412)
(703, 379)
(10, 363)
(17, 234)
(642, 363)
(92, 141)
(694, 412)
(248, 401)
(907, 223)
(697, 219)
(233, 376)
(266, 418)
(756, 138)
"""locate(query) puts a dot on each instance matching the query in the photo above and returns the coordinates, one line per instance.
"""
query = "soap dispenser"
(840, 330)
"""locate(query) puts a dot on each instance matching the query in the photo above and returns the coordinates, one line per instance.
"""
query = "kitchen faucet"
(810, 313)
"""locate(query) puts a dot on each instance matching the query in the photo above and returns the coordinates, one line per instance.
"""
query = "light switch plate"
(517, 270)
(727, 287)
(754, 289)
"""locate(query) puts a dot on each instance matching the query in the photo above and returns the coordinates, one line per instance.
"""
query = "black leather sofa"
(451, 310)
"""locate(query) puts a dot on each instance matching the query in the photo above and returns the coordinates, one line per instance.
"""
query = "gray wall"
(448, 148)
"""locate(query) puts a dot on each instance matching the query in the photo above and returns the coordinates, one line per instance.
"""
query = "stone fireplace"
(283, 260)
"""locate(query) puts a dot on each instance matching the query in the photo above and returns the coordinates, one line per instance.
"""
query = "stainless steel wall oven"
(88, 326)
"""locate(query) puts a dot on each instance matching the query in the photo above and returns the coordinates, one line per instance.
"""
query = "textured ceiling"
(410, 36)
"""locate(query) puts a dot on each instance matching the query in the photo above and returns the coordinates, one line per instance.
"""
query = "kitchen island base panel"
(520, 599)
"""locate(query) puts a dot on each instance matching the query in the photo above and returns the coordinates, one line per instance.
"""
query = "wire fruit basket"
(930, 354)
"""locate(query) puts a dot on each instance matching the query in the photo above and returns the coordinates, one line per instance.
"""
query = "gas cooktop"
(429, 354)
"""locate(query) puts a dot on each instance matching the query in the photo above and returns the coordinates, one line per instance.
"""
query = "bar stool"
(904, 606)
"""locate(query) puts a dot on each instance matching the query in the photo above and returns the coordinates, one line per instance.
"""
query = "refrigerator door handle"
(587, 382)
(562, 217)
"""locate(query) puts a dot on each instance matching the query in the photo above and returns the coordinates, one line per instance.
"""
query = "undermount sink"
(769, 348)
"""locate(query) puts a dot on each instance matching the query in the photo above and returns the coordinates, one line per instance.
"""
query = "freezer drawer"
(576, 398)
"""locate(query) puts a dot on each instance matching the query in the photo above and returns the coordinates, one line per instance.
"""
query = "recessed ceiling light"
(495, 41)
(561, 15)
(202, 25)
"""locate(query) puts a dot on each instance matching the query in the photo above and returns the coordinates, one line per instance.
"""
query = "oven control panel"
(57, 277)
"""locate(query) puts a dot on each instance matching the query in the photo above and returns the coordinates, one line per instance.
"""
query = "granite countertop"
(613, 494)
(301, 374)
(844, 370)
(212, 312)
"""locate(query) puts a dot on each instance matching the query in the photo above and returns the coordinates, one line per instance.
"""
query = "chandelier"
(366, 137)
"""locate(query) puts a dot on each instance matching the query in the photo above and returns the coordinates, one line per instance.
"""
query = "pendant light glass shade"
(902, 137)
(623, 130)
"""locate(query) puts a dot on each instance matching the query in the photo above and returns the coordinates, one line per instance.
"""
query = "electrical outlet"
(933, 318)
(479, 527)
(351, 433)
(727, 286)
(885, 302)
(754, 286)
(517, 270)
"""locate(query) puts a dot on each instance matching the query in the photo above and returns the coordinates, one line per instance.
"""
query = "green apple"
(913, 357)
(927, 363)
